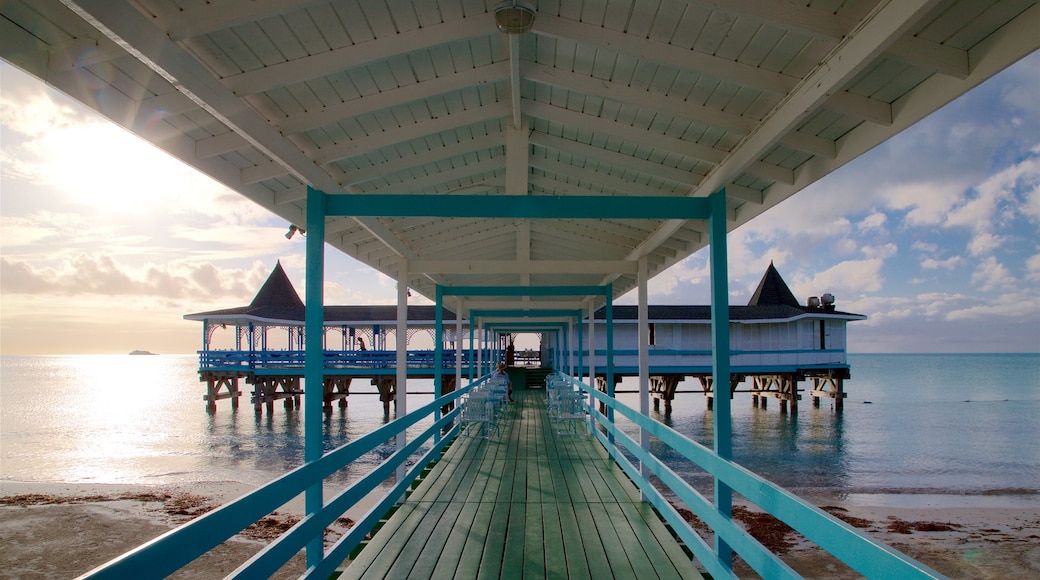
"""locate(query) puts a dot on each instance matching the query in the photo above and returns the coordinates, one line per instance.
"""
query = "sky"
(106, 242)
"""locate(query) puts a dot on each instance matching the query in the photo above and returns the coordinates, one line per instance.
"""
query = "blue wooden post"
(438, 356)
(610, 352)
(581, 345)
(314, 367)
(720, 357)
(472, 353)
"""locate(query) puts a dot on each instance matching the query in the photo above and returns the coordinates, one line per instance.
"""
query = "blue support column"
(581, 352)
(472, 352)
(438, 357)
(610, 352)
(720, 357)
(314, 367)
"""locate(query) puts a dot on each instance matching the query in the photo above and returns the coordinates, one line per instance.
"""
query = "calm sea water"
(938, 428)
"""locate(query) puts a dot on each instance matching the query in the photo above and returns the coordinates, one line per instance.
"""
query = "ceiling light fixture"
(514, 17)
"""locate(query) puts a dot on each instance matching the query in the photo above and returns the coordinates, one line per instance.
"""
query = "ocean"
(922, 430)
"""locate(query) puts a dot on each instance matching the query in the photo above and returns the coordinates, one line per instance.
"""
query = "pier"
(525, 167)
(776, 344)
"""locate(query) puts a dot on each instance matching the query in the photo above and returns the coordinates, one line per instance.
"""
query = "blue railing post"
(438, 355)
(610, 352)
(314, 365)
(720, 358)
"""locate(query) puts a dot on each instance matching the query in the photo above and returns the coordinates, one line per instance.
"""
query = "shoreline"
(90, 523)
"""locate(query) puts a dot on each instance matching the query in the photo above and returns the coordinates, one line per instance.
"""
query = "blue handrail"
(178, 547)
(295, 359)
(856, 549)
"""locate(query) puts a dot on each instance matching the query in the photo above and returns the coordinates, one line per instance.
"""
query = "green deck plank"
(474, 546)
(595, 552)
(527, 503)
(467, 524)
(554, 556)
(575, 553)
(494, 548)
(534, 551)
(422, 539)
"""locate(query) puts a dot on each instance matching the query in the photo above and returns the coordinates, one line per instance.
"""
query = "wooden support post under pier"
(268, 389)
(335, 388)
(832, 386)
(783, 387)
(662, 388)
(708, 386)
(387, 387)
(215, 382)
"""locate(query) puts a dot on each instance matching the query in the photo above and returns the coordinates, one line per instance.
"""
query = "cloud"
(1021, 305)
(873, 222)
(1033, 268)
(104, 275)
(881, 252)
(990, 274)
(984, 243)
(925, 203)
(851, 277)
(947, 264)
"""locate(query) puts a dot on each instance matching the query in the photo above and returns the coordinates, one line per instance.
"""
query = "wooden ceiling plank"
(325, 63)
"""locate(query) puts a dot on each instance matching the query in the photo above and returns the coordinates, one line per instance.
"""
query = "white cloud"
(873, 222)
(851, 277)
(1013, 306)
(105, 275)
(947, 264)
(925, 203)
(990, 274)
(1033, 268)
(984, 243)
(882, 252)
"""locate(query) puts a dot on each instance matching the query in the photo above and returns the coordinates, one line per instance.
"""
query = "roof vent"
(813, 302)
(828, 301)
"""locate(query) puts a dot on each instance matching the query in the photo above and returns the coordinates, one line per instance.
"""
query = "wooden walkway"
(528, 503)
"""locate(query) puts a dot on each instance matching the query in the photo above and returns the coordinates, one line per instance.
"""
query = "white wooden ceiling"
(602, 97)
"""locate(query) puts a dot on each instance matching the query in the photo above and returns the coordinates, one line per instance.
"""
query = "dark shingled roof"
(772, 290)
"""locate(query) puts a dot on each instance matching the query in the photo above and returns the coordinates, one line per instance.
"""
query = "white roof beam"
(597, 178)
(458, 267)
(82, 52)
(326, 63)
(517, 153)
(487, 74)
(833, 27)
(617, 159)
(633, 95)
(428, 183)
(220, 15)
(681, 58)
(574, 119)
(408, 132)
(425, 158)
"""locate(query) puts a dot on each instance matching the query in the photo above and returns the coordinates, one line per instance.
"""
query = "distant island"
(135, 352)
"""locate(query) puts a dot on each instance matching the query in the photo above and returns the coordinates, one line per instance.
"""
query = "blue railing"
(176, 548)
(859, 551)
(294, 359)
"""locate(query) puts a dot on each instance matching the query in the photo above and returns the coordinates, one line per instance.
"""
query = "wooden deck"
(529, 503)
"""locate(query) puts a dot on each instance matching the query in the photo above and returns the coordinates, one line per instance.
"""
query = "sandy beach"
(52, 530)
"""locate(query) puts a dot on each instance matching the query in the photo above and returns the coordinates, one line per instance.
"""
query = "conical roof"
(773, 291)
(277, 292)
